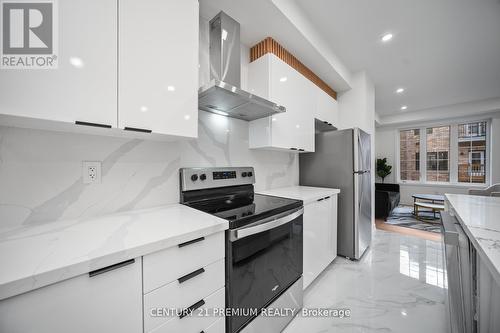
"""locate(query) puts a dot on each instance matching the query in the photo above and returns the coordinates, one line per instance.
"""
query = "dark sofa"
(386, 199)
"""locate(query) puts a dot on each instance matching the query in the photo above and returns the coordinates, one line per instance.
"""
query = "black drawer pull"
(85, 123)
(192, 308)
(321, 199)
(191, 275)
(111, 267)
(326, 197)
(302, 149)
(191, 242)
(142, 130)
(293, 148)
(326, 122)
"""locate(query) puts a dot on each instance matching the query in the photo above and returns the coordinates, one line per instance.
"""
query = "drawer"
(182, 295)
(195, 323)
(163, 267)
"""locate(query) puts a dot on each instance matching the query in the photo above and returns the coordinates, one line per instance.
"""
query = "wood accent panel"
(269, 45)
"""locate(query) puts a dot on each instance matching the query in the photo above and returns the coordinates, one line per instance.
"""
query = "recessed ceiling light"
(404, 107)
(144, 108)
(400, 90)
(283, 79)
(387, 37)
(170, 88)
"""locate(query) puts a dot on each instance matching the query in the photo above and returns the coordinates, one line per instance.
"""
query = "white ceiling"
(443, 51)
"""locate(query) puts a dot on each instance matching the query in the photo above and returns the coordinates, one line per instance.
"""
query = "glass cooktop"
(240, 210)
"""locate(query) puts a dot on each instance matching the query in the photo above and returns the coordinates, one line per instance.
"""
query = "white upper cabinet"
(158, 66)
(327, 109)
(83, 86)
(273, 79)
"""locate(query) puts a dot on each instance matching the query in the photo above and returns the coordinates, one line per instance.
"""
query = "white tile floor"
(398, 286)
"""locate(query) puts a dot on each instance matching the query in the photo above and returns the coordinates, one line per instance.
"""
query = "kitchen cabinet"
(189, 275)
(273, 79)
(320, 236)
(326, 108)
(132, 67)
(158, 66)
(106, 300)
(83, 86)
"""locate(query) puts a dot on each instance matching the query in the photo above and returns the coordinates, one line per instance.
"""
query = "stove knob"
(203, 176)
(194, 178)
(243, 174)
(250, 174)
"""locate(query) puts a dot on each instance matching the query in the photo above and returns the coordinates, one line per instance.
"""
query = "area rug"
(402, 216)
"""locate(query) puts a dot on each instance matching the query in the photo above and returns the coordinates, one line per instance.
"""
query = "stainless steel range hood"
(223, 94)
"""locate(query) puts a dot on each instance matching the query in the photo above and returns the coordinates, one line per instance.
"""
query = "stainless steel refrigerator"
(342, 159)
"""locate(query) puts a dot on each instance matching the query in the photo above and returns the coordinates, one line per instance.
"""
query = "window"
(472, 153)
(456, 153)
(409, 154)
(438, 148)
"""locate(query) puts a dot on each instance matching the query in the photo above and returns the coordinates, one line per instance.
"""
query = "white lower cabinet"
(320, 236)
(190, 275)
(107, 302)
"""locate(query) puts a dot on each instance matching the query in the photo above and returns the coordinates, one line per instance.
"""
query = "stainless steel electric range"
(263, 244)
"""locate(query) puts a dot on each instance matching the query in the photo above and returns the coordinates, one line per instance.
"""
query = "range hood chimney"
(223, 94)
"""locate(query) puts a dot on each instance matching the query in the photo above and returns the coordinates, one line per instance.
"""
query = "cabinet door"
(107, 302)
(285, 89)
(158, 66)
(327, 108)
(332, 216)
(83, 86)
(317, 239)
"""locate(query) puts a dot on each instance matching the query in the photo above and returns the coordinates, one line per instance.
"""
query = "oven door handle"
(267, 224)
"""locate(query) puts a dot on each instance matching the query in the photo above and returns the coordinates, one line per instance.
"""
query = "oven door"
(262, 260)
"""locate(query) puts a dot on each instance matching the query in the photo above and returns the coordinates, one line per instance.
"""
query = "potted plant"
(383, 169)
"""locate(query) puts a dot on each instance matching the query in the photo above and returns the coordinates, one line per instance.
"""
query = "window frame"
(452, 158)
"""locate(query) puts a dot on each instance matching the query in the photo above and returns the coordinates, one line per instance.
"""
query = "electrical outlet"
(91, 172)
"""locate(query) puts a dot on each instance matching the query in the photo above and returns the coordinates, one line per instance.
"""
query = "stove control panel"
(224, 175)
(202, 178)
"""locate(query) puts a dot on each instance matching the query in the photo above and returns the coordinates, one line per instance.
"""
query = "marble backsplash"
(41, 171)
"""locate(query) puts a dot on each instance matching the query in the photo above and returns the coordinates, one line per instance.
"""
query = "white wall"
(385, 147)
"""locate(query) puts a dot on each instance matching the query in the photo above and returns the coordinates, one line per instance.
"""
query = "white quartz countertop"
(480, 219)
(305, 193)
(38, 256)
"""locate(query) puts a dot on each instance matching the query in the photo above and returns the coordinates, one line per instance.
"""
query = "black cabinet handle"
(134, 129)
(191, 242)
(328, 197)
(191, 275)
(293, 148)
(111, 267)
(192, 308)
(321, 199)
(85, 123)
(325, 122)
(302, 149)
